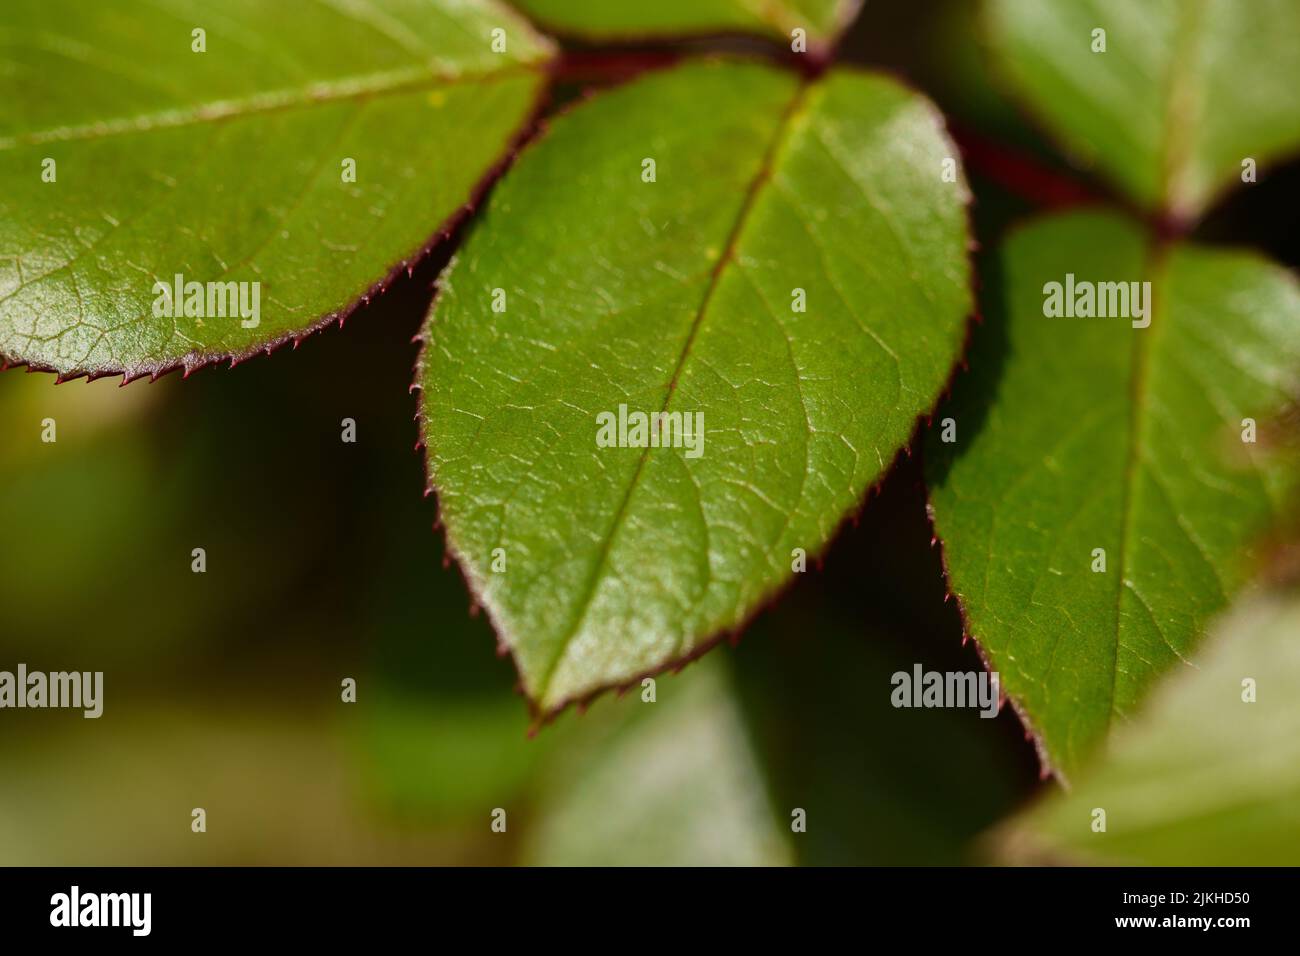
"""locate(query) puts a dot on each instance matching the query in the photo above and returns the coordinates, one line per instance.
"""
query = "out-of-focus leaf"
(1184, 92)
(677, 785)
(605, 20)
(127, 158)
(1081, 435)
(878, 785)
(591, 289)
(1201, 777)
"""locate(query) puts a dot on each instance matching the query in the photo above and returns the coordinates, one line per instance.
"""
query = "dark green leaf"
(1185, 91)
(678, 295)
(228, 165)
(1079, 434)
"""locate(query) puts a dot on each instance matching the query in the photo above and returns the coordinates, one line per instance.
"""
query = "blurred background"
(222, 689)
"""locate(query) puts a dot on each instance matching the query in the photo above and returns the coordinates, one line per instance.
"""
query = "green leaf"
(602, 20)
(1076, 434)
(228, 165)
(677, 295)
(1184, 92)
(1203, 777)
(683, 775)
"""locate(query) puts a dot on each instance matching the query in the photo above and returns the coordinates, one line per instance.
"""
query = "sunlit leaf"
(1184, 92)
(599, 286)
(129, 157)
(1102, 497)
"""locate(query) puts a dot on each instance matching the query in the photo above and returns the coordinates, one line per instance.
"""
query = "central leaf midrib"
(766, 165)
(1138, 385)
(360, 87)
